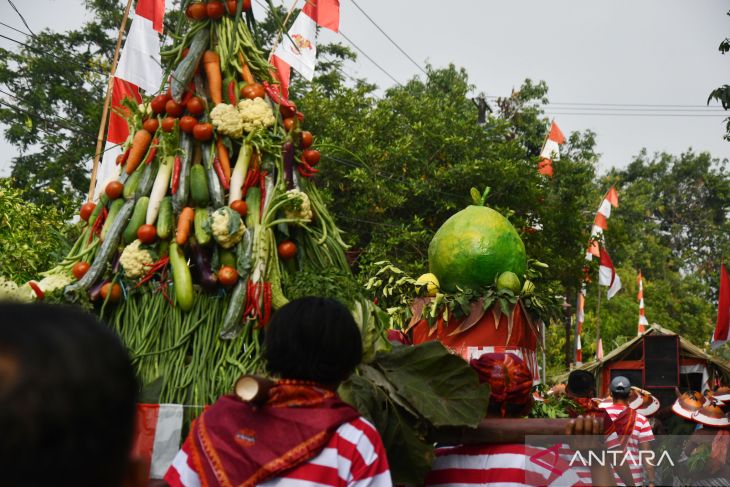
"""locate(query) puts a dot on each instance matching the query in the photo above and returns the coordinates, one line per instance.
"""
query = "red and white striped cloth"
(642, 433)
(550, 150)
(139, 67)
(507, 465)
(643, 322)
(157, 435)
(579, 319)
(354, 456)
(600, 222)
(298, 49)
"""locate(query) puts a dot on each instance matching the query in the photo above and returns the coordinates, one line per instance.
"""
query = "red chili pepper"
(37, 290)
(176, 168)
(268, 295)
(152, 152)
(98, 223)
(153, 269)
(221, 176)
(232, 92)
(252, 178)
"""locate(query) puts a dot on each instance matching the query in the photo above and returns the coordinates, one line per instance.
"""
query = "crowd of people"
(68, 395)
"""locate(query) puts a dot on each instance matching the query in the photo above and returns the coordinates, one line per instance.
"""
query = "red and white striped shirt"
(506, 465)
(642, 433)
(354, 457)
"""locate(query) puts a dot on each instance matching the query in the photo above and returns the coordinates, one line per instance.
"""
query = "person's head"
(581, 383)
(67, 399)
(620, 389)
(510, 381)
(313, 339)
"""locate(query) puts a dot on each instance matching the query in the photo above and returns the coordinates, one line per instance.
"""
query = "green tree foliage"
(33, 237)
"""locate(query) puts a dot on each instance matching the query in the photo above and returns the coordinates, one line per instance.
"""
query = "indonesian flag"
(722, 328)
(600, 222)
(298, 49)
(643, 323)
(157, 435)
(550, 150)
(139, 67)
(607, 275)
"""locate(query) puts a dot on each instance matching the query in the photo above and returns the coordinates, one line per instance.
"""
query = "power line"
(370, 59)
(15, 29)
(21, 17)
(52, 122)
(389, 38)
(668, 115)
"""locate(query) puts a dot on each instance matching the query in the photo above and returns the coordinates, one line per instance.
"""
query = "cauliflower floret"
(299, 206)
(227, 120)
(227, 227)
(255, 114)
(9, 291)
(136, 261)
(55, 281)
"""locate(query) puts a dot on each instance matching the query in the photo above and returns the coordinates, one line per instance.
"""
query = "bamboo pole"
(281, 32)
(107, 102)
(598, 320)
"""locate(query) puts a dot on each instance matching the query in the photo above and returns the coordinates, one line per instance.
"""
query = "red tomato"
(287, 112)
(311, 156)
(227, 275)
(195, 106)
(289, 124)
(158, 104)
(231, 6)
(246, 5)
(79, 269)
(147, 234)
(215, 9)
(305, 139)
(168, 124)
(86, 210)
(300, 116)
(253, 90)
(287, 249)
(187, 124)
(151, 125)
(174, 109)
(239, 206)
(203, 132)
(114, 292)
(196, 11)
(114, 190)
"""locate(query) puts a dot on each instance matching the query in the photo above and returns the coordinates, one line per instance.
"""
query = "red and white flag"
(722, 328)
(579, 318)
(600, 222)
(643, 323)
(298, 49)
(139, 67)
(157, 435)
(550, 150)
(607, 274)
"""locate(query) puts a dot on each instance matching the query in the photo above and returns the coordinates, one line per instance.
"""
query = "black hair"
(621, 395)
(313, 339)
(67, 398)
(581, 383)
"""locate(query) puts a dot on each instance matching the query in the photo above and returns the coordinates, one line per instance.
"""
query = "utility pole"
(482, 109)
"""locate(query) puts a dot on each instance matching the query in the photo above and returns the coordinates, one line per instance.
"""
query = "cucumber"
(227, 258)
(180, 198)
(108, 247)
(149, 173)
(232, 321)
(186, 69)
(199, 186)
(202, 229)
(111, 216)
(131, 185)
(215, 189)
(137, 220)
(164, 219)
(181, 278)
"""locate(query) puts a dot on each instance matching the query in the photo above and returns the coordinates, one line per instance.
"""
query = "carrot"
(212, 65)
(223, 157)
(245, 72)
(140, 144)
(184, 224)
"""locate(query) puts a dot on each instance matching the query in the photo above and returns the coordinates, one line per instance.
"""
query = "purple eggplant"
(288, 153)
(201, 259)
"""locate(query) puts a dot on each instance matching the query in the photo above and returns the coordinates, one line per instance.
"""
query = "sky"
(608, 64)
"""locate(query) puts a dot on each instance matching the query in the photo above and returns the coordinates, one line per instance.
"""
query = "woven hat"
(605, 402)
(722, 394)
(712, 415)
(649, 404)
(687, 405)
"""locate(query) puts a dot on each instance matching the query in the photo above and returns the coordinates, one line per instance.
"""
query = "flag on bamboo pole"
(600, 222)
(643, 323)
(550, 150)
(579, 319)
(722, 327)
(139, 67)
(298, 49)
(607, 275)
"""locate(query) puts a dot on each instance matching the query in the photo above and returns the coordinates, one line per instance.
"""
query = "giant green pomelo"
(474, 246)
